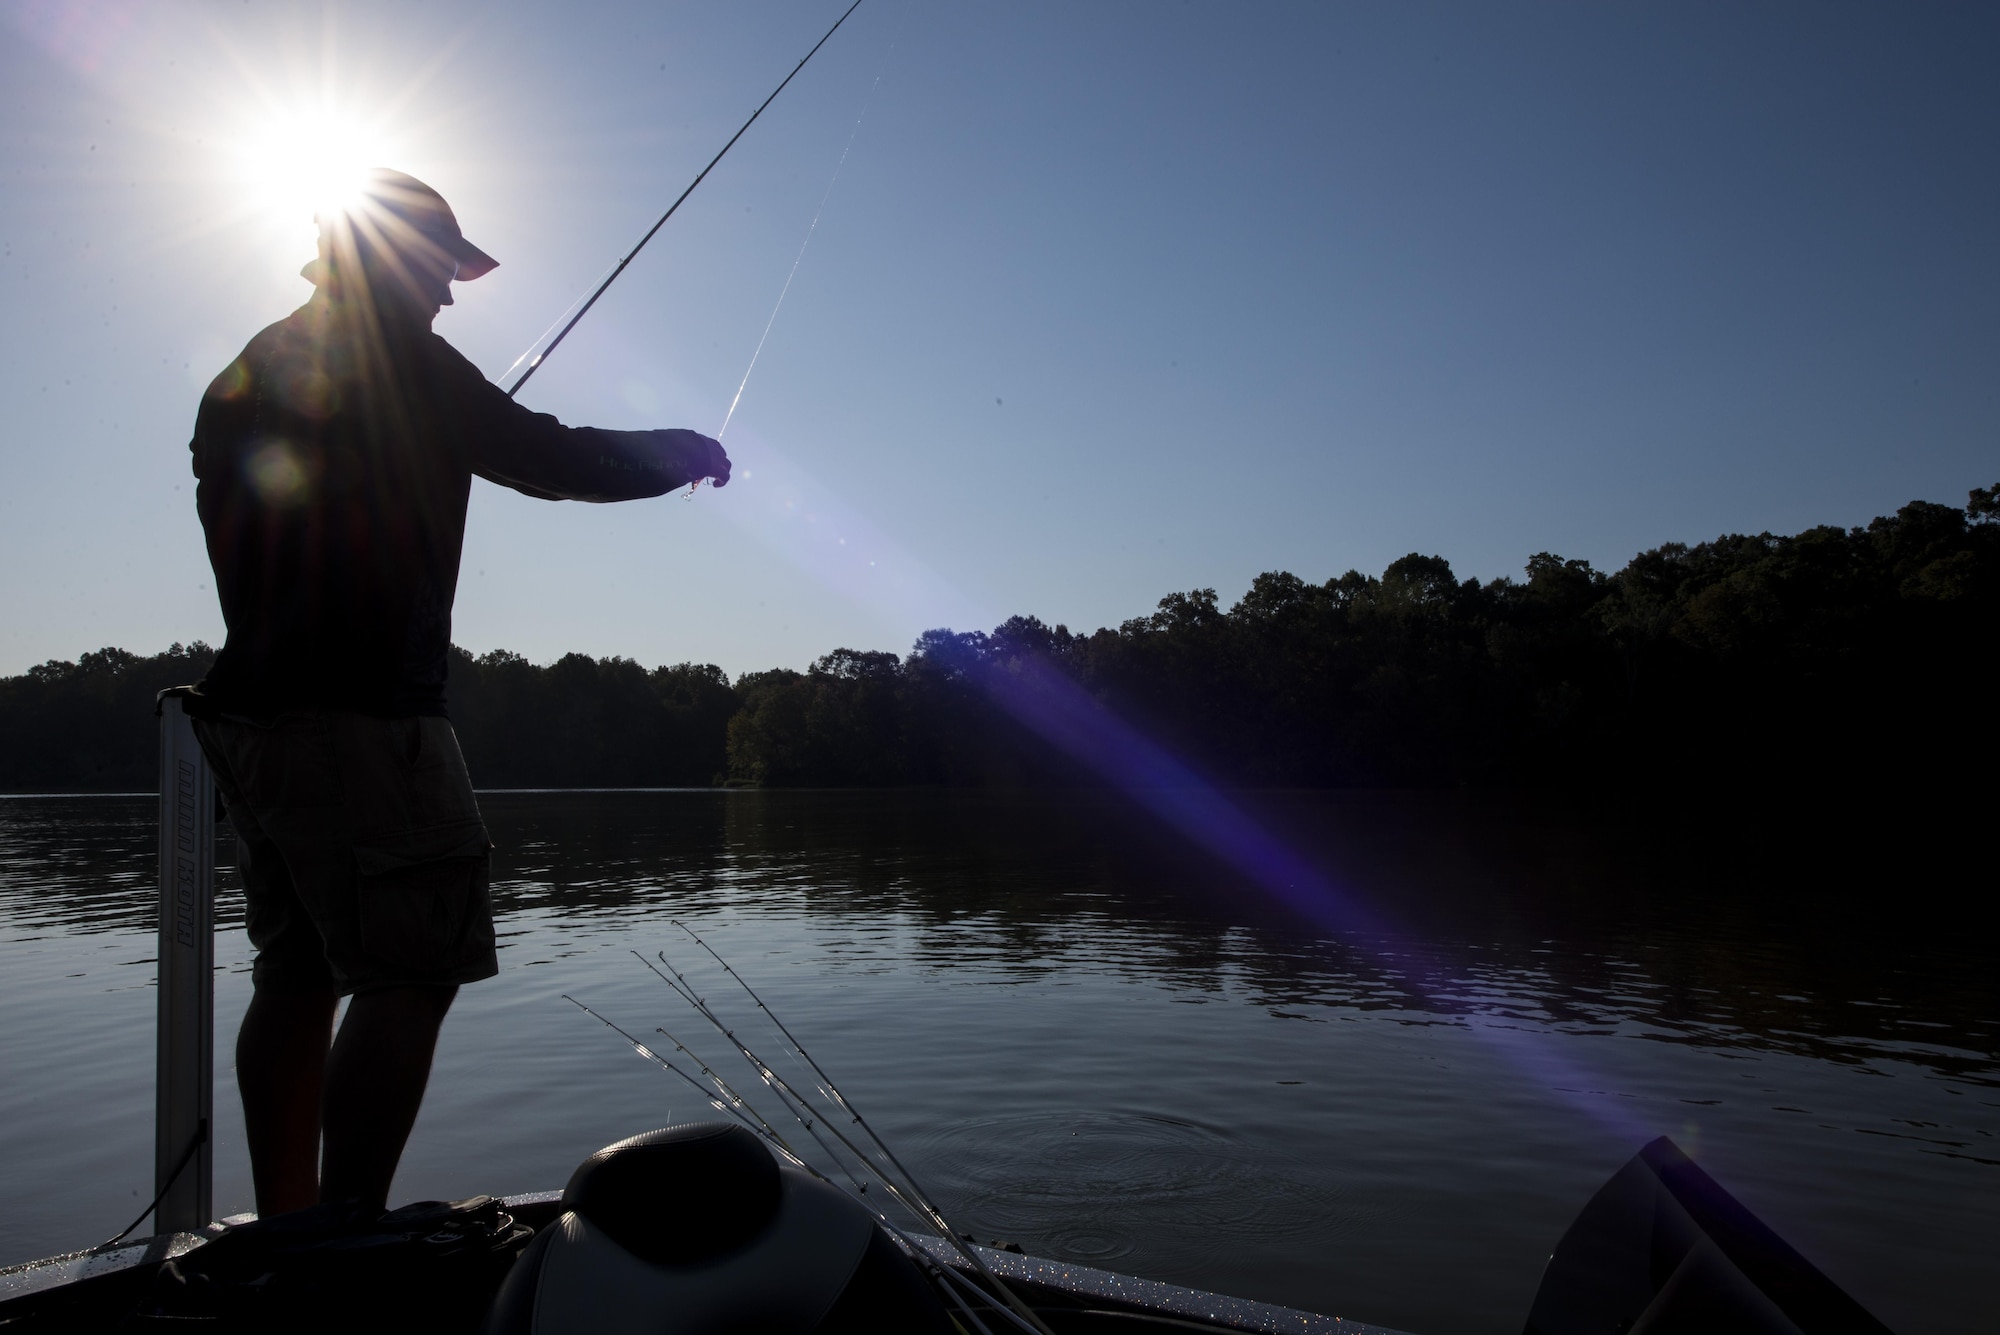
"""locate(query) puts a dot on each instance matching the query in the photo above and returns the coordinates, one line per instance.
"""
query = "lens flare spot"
(233, 383)
(312, 393)
(277, 474)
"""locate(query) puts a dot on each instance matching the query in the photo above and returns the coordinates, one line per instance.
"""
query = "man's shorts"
(364, 860)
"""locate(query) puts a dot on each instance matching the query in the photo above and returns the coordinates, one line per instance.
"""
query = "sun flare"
(296, 166)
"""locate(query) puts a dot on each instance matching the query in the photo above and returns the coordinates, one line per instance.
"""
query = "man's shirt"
(335, 460)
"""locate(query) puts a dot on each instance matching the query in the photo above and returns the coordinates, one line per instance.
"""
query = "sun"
(295, 166)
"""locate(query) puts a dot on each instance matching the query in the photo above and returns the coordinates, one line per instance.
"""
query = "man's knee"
(286, 1006)
(415, 1003)
(435, 999)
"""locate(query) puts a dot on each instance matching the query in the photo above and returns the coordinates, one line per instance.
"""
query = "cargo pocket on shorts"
(424, 912)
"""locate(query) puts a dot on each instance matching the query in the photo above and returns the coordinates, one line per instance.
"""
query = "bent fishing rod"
(535, 362)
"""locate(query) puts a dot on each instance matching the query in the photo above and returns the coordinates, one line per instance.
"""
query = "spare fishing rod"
(914, 1199)
(535, 362)
(953, 1285)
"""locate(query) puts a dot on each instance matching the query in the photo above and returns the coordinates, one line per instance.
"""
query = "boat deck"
(85, 1290)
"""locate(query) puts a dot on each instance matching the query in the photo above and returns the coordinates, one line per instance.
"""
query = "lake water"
(1087, 1039)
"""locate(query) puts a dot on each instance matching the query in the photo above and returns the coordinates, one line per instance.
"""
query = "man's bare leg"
(280, 1062)
(375, 1079)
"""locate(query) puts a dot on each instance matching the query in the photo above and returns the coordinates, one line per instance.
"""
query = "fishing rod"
(788, 1097)
(744, 1112)
(535, 362)
(715, 1078)
(917, 1200)
(1000, 1298)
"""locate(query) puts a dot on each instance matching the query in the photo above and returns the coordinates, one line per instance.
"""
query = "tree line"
(1836, 657)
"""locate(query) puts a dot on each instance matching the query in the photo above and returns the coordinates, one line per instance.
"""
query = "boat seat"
(698, 1230)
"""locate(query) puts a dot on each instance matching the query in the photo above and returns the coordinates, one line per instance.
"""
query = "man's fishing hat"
(395, 209)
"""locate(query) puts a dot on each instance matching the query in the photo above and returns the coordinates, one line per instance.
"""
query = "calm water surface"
(1087, 1040)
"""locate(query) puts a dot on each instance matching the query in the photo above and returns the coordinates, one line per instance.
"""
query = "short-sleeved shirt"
(335, 460)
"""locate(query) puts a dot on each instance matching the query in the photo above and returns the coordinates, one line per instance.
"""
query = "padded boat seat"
(698, 1230)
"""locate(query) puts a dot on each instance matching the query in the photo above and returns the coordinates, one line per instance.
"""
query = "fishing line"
(800, 257)
(535, 364)
(552, 324)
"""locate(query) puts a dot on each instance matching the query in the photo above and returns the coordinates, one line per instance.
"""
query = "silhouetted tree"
(88, 726)
(1834, 658)
(583, 722)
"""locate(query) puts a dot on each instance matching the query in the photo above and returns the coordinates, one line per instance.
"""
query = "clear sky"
(1109, 300)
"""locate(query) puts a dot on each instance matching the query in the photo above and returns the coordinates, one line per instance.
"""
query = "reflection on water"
(1094, 1043)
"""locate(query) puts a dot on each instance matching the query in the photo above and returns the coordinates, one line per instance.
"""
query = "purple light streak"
(1041, 698)
(841, 548)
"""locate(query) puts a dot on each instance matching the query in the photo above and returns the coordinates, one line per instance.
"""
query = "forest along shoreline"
(1838, 672)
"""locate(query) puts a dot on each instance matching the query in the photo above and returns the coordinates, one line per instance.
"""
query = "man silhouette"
(335, 460)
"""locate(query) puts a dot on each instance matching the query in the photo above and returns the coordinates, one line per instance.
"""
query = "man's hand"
(700, 456)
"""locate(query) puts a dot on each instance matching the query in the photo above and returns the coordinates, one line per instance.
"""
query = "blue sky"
(1109, 300)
